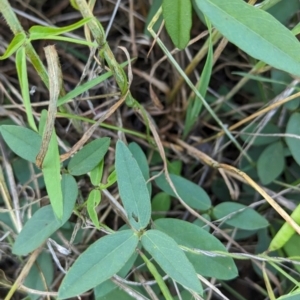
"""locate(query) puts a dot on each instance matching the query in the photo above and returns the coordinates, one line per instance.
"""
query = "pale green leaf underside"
(271, 163)
(24, 142)
(194, 237)
(88, 157)
(98, 263)
(40, 273)
(190, 193)
(239, 216)
(293, 128)
(132, 187)
(254, 31)
(44, 223)
(171, 259)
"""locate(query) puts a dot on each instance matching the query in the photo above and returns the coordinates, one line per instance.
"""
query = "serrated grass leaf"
(98, 263)
(18, 40)
(171, 259)
(194, 237)
(239, 216)
(44, 223)
(271, 163)
(190, 193)
(293, 128)
(132, 188)
(42, 32)
(21, 66)
(22, 141)
(178, 18)
(88, 157)
(249, 28)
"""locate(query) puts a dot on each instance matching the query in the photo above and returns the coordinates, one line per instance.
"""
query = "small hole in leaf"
(135, 217)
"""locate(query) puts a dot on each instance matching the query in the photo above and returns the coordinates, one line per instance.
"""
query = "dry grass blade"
(214, 164)
(24, 272)
(55, 80)
(253, 116)
(90, 131)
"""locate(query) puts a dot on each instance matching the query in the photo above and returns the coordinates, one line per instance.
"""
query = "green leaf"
(194, 237)
(236, 19)
(295, 295)
(107, 286)
(52, 177)
(190, 193)
(239, 216)
(21, 66)
(283, 13)
(86, 86)
(18, 40)
(24, 172)
(97, 173)
(271, 163)
(92, 203)
(293, 128)
(115, 294)
(142, 161)
(171, 259)
(161, 202)
(270, 128)
(23, 141)
(175, 167)
(88, 157)
(178, 18)
(44, 223)
(292, 247)
(195, 103)
(111, 179)
(132, 188)
(98, 263)
(156, 4)
(40, 275)
(67, 40)
(41, 32)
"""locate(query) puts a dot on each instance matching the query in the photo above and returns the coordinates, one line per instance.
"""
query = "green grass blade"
(41, 32)
(52, 177)
(195, 104)
(153, 270)
(86, 86)
(23, 79)
(14, 45)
